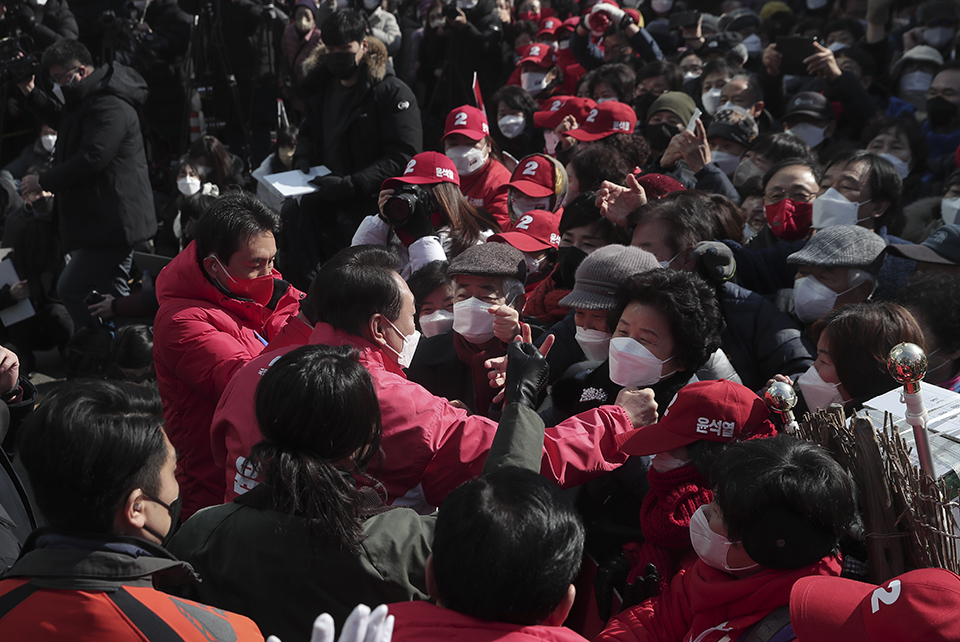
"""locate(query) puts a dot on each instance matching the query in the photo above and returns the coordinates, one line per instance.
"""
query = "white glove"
(616, 13)
(361, 626)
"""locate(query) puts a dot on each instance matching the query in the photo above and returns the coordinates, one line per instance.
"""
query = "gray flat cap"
(841, 246)
(490, 259)
(601, 272)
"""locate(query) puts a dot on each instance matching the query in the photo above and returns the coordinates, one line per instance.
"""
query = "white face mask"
(817, 392)
(812, 299)
(48, 141)
(467, 159)
(903, 167)
(948, 210)
(631, 364)
(745, 171)
(729, 106)
(690, 76)
(937, 37)
(728, 163)
(436, 322)
(833, 208)
(837, 46)
(472, 320)
(533, 82)
(662, 6)
(748, 232)
(711, 547)
(666, 264)
(711, 100)
(594, 343)
(916, 82)
(665, 462)
(466, 5)
(808, 133)
(600, 101)
(753, 44)
(550, 141)
(188, 185)
(410, 341)
(58, 92)
(512, 126)
(523, 204)
(563, 44)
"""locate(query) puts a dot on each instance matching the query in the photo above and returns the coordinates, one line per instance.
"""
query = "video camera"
(17, 60)
(407, 201)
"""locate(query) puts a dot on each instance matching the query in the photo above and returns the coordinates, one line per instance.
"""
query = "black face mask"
(941, 111)
(342, 64)
(173, 509)
(568, 260)
(659, 135)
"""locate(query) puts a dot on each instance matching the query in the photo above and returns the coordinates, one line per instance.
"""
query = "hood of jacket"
(374, 64)
(115, 79)
(184, 278)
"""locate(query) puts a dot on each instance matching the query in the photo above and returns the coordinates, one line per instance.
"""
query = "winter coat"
(307, 575)
(54, 22)
(425, 622)
(430, 447)
(32, 156)
(708, 605)
(380, 128)
(92, 590)
(296, 48)
(759, 339)
(202, 336)
(484, 190)
(590, 55)
(99, 174)
(386, 29)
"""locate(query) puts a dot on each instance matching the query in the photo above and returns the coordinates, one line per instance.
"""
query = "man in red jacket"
(780, 507)
(221, 301)
(429, 445)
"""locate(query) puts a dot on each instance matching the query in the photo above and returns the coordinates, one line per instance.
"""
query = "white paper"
(294, 182)
(22, 309)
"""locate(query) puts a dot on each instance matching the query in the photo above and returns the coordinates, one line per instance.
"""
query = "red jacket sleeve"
(584, 446)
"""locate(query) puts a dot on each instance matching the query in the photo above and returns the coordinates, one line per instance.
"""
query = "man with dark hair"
(221, 301)
(102, 472)
(863, 178)
(757, 338)
(506, 550)
(430, 445)
(781, 506)
(99, 174)
(360, 121)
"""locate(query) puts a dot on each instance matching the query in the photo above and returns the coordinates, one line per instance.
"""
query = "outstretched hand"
(497, 367)
(616, 202)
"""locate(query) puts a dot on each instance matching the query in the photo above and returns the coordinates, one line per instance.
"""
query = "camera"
(408, 201)
(93, 298)
(17, 61)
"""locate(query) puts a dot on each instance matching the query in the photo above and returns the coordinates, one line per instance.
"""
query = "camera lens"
(399, 208)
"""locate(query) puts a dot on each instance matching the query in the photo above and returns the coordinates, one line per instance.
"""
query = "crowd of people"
(499, 366)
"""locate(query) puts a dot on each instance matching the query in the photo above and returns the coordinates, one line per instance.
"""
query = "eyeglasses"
(65, 76)
(776, 194)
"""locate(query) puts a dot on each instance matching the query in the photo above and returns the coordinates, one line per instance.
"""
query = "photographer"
(45, 23)
(424, 216)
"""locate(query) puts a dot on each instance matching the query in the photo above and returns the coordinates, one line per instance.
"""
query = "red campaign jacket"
(708, 605)
(483, 190)
(201, 338)
(425, 622)
(430, 446)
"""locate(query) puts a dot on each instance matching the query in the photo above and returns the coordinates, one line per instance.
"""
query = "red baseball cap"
(559, 107)
(659, 185)
(570, 24)
(918, 605)
(538, 53)
(466, 120)
(534, 176)
(606, 119)
(426, 168)
(549, 26)
(716, 410)
(535, 231)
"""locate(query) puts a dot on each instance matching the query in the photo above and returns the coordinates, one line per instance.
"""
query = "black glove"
(334, 188)
(26, 18)
(303, 164)
(645, 587)
(527, 372)
(715, 260)
(611, 575)
(418, 225)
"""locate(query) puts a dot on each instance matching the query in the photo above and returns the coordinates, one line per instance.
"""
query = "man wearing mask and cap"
(221, 302)
(361, 122)
(942, 127)
(809, 116)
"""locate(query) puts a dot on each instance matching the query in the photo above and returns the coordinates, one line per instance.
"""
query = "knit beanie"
(602, 272)
(676, 102)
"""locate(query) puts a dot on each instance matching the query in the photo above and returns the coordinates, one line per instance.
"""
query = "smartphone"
(684, 19)
(794, 50)
(692, 125)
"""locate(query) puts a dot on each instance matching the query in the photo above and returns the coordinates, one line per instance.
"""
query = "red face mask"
(529, 15)
(259, 289)
(788, 219)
